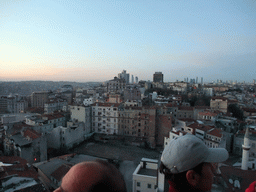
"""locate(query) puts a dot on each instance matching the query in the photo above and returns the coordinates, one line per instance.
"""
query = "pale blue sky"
(90, 40)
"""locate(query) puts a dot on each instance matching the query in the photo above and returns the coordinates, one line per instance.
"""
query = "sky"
(93, 40)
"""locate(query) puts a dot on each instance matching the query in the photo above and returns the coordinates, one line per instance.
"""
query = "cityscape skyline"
(96, 40)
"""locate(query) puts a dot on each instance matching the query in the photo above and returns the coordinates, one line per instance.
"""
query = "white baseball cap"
(186, 152)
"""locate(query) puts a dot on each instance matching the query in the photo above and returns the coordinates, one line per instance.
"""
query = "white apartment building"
(52, 106)
(145, 176)
(105, 118)
(14, 106)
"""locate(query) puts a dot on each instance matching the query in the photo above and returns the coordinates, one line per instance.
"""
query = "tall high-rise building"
(196, 79)
(202, 80)
(158, 77)
(124, 76)
(136, 80)
(132, 80)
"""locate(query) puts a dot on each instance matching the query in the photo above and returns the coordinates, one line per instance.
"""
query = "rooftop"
(148, 172)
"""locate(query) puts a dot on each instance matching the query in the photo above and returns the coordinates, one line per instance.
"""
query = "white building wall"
(80, 113)
(145, 183)
(105, 119)
(75, 136)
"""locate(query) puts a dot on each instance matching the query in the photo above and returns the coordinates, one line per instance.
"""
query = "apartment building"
(46, 122)
(138, 122)
(54, 105)
(81, 113)
(116, 85)
(132, 93)
(185, 112)
(214, 139)
(163, 125)
(219, 104)
(38, 99)
(105, 118)
(207, 116)
(16, 105)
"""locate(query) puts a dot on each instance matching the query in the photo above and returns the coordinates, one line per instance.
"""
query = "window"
(138, 184)
(149, 186)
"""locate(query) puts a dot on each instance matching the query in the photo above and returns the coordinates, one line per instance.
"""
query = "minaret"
(246, 147)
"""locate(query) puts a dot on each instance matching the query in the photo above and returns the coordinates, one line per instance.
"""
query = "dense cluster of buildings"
(33, 126)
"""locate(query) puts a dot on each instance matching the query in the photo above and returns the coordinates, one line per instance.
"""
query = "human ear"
(193, 178)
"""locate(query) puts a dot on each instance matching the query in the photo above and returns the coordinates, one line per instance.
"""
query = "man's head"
(187, 158)
(92, 176)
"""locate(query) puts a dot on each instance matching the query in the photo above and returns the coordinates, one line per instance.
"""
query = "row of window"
(149, 186)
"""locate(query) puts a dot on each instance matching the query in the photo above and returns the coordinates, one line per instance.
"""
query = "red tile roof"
(251, 110)
(245, 177)
(208, 113)
(59, 173)
(215, 132)
(31, 134)
(19, 167)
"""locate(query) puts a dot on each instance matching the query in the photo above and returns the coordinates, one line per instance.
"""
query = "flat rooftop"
(148, 172)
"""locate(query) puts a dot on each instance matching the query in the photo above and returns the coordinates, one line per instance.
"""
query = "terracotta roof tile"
(31, 134)
(245, 177)
(208, 113)
(59, 173)
(215, 132)
(19, 167)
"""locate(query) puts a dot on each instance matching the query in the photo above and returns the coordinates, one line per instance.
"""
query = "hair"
(179, 180)
(112, 181)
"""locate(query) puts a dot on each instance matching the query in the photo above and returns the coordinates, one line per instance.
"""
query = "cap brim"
(217, 155)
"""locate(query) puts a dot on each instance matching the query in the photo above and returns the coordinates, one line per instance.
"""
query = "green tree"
(236, 111)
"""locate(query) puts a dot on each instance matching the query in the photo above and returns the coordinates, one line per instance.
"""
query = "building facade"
(158, 77)
(38, 99)
(105, 118)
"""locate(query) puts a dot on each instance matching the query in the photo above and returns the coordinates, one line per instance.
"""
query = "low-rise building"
(27, 144)
(68, 137)
(145, 176)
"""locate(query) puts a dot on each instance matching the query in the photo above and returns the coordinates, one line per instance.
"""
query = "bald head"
(93, 176)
